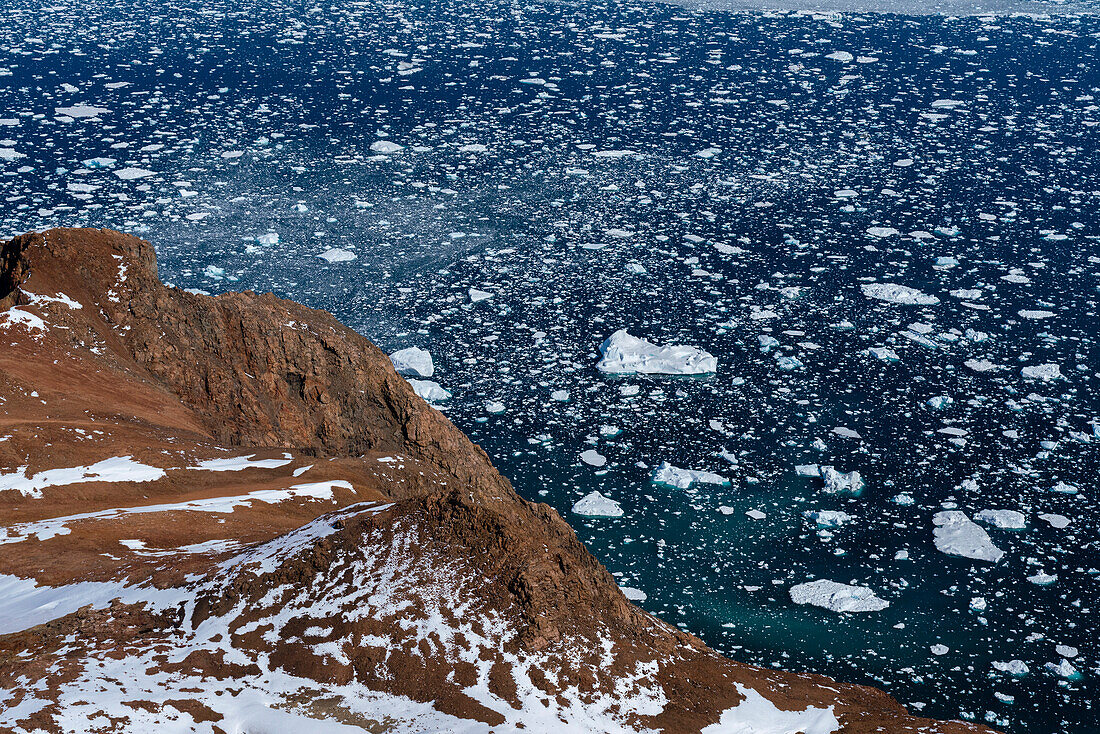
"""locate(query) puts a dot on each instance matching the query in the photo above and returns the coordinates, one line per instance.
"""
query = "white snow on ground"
(16, 315)
(54, 526)
(25, 604)
(596, 505)
(238, 463)
(624, 354)
(757, 715)
(957, 535)
(337, 255)
(672, 476)
(115, 469)
(837, 597)
(901, 295)
(413, 361)
(430, 391)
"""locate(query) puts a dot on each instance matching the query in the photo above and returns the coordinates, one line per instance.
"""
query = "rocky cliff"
(229, 514)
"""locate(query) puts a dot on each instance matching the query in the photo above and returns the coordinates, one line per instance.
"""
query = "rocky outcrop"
(404, 586)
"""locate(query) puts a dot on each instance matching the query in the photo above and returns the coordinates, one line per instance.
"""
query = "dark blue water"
(252, 120)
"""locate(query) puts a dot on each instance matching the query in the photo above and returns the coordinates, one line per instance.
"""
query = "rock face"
(297, 542)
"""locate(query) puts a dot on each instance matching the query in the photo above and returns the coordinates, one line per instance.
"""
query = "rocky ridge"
(240, 518)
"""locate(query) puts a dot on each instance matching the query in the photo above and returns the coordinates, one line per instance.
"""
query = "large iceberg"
(430, 391)
(901, 295)
(625, 354)
(957, 535)
(672, 476)
(838, 481)
(837, 597)
(596, 505)
(413, 361)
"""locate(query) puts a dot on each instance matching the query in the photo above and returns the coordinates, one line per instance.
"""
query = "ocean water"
(727, 180)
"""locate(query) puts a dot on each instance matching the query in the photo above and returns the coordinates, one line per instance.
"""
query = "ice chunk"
(827, 518)
(413, 361)
(596, 505)
(593, 458)
(1063, 669)
(842, 56)
(433, 392)
(1044, 372)
(625, 354)
(131, 173)
(633, 594)
(1055, 521)
(1015, 668)
(337, 255)
(81, 110)
(838, 481)
(1002, 519)
(479, 295)
(837, 597)
(671, 476)
(957, 535)
(901, 295)
(385, 147)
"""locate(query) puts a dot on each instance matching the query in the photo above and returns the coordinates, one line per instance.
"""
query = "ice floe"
(624, 354)
(837, 597)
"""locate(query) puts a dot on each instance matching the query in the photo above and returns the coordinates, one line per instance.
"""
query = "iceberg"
(337, 255)
(596, 505)
(413, 361)
(957, 535)
(837, 597)
(1010, 519)
(430, 391)
(671, 476)
(624, 354)
(1044, 372)
(838, 481)
(901, 295)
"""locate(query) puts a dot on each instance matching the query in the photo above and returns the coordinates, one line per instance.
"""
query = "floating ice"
(596, 505)
(827, 518)
(337, 255)
(479, 295)
(1002, 519)
(838, 481)
(81, 110)
(957, 535)
(625, 354)
(430, 391)
(901, 295)
(1044, 372)
(593, 458)
(837, 597)
(413, 361)
(671, 476)
(385, 147)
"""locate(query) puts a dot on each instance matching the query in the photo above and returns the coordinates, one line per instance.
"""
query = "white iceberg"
(433, 392)
(596, 505)
(385, 147)
(1044, 372)
(955, 534)
(901, 295)
(337, 255)
(413, 361)
(672, 476)
(838, 481)
(624, 354)
(1010, 519)
(837, 597)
